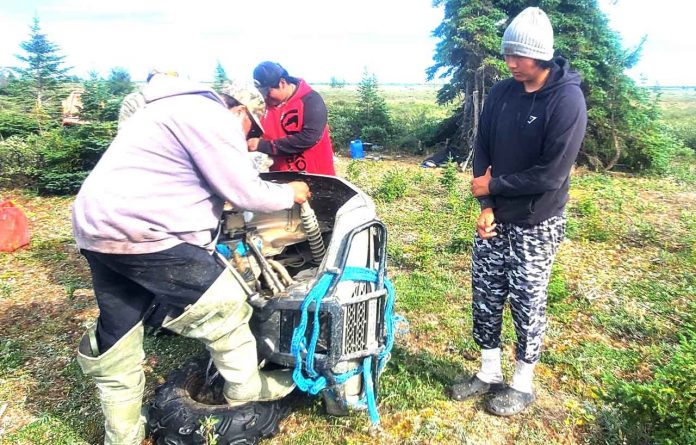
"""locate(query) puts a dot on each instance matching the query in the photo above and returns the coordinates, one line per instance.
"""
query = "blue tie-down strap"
(223, 250)
(310, 380)
(314, 382)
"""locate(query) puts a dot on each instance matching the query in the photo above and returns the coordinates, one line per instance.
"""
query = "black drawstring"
(529, 113)
(532, 107)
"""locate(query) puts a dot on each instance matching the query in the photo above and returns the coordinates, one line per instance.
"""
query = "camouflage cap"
(247, 95)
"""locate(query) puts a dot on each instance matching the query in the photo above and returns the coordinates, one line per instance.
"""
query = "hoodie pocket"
(532, 205)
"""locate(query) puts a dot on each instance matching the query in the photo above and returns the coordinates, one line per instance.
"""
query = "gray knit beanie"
(529, 35)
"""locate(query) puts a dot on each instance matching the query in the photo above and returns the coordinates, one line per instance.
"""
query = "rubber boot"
(220, 320)
(120, 379)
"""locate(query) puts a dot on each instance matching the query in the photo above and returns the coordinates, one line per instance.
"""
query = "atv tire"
(183, 404)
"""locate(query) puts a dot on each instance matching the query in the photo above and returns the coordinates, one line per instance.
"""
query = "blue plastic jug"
(356, 149)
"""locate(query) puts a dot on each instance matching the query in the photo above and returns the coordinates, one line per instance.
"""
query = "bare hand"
(479, 185)
(253, 144)
(300, 190)
(485, 224)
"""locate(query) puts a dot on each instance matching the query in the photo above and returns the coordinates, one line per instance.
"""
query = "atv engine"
(280, 256)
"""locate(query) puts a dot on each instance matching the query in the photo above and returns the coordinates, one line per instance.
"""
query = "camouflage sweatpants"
(515, 263)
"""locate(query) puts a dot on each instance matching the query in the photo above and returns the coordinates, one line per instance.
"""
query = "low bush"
(449, 179)
(14, 123)
(342, 126)
(416, 125)
(587, 221)
(393, 186)
(70, 153)
(665, 407)
(653, 149)
(20, 163)
(374, 134)
(686, 132)
(57, 161)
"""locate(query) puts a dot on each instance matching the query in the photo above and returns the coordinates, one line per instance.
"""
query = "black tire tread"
(174, 416)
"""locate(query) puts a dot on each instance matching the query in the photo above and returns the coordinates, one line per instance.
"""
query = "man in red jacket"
(296, 133)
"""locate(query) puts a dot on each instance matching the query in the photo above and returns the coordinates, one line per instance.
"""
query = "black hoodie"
(531, 141)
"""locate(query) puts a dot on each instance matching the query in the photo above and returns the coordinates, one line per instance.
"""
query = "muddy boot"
(220, 320)
(120, 379)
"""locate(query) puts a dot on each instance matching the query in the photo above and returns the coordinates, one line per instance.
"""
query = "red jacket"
(296, 134)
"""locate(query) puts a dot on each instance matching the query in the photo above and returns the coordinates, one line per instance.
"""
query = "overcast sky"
(669, 53)
(311, 38)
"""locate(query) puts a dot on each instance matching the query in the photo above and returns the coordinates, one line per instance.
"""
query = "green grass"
(46, 430)
(11, 357)
(679, 112)
(620, 301)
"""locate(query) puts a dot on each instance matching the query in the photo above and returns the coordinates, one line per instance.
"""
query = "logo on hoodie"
(290, 121)
(531, 119)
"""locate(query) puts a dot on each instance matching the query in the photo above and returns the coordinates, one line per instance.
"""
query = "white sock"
(524, 374)
(490, 372)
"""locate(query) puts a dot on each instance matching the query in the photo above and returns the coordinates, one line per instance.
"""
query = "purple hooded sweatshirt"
(167, 174)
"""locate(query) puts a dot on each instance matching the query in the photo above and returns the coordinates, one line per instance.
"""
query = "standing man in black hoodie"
(530, 132)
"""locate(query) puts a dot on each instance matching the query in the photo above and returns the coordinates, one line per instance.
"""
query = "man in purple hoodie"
(529, 135)
(146, 220)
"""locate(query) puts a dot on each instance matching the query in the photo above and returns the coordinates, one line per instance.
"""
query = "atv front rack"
(351, 327)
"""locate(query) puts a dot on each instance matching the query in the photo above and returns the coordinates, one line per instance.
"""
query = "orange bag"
(14, 227)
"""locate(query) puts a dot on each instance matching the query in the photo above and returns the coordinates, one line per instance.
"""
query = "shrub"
(392, 187)
(449, 179)
(414, 123)
(11, 357)
(686, 132)
(20, 163)
(59, 160)
(70, 154)
(55, 162)
(342, 125)
(93, 139)
(652, 149)
(16, 124)
(666, 405)
(587, 221)
(409, 143)
(461, 242)
(374, 134)
(55, 182)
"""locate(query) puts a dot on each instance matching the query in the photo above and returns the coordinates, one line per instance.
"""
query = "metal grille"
(290, 319)
(361, 288)
(355, 333)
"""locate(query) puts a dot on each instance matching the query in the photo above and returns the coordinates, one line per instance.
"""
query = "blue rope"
(368, 384)
(315, 382)
(224, 250)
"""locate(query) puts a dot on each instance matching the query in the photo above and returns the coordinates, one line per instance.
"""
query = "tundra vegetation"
(620, 352)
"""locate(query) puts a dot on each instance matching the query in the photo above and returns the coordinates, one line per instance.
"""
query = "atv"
(315, 277)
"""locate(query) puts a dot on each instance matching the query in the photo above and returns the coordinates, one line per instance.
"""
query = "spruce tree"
(95, 98)
(372, 116)
(102, 98)
(43, 74)
(622, 126)
(220, 76)
(119, 82)
(335, 82)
